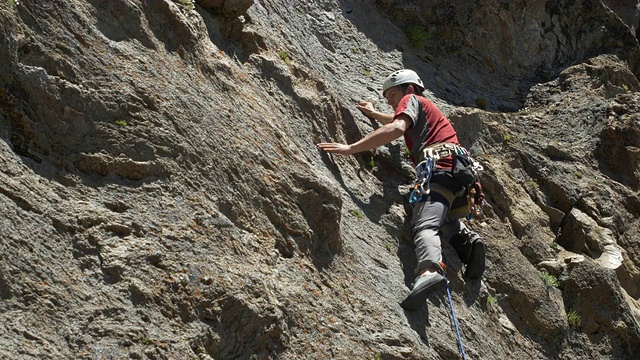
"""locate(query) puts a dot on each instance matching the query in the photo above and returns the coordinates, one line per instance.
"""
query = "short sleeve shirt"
(429, 126)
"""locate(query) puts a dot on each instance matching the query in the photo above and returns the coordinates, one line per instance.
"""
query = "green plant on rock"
(573, 319)
(482, 102)
(284, 56)
(491, 300)
(371, 163)
(121, 122)
(578, 174)
(418, 35)
(549, 279)
(357, 213)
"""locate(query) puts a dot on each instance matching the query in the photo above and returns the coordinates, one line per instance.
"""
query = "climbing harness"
(426, 168)
(453, 314)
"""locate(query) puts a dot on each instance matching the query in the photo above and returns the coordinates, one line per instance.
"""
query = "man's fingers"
(328, 146)
(333, 147)
(365, 107)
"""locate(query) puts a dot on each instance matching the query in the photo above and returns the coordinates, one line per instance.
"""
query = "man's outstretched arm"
(379, 137)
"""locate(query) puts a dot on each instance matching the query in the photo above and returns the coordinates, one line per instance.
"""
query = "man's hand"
(336, 148)
(365, 107)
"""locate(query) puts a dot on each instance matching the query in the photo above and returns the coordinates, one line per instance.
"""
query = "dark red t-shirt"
(429, 127)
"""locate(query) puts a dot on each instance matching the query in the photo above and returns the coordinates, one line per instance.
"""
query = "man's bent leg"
(471, 251)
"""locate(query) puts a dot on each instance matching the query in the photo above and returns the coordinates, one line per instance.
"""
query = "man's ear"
(411, 89)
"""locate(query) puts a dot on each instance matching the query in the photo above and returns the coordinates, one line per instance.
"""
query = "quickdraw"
(475, 200)
(424, 171)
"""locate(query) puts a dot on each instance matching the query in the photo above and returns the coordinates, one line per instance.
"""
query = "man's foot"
(471, 251)
(424, 285)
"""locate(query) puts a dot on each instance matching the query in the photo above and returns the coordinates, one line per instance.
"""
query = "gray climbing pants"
(429, 222)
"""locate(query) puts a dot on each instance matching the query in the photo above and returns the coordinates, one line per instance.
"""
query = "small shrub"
(625, 87)
(578, 174)
(574, 319)
(121, 122)
(355, 50)
(491, 300)
(533, 184)
(357, 213)
(549, 279)
(366, 72)
(418, 35)
(389, 247)
(284, 56)
(506, 137)
(482, 102)
(371, 163)
(554, 246)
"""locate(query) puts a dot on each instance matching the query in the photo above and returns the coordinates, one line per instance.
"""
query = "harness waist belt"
(442, 150)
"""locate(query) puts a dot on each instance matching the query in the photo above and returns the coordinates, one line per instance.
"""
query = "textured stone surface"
(161, 195)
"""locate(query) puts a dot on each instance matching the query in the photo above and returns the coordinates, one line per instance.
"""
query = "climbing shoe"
(423, 286)
(471, 251)
(475, 263)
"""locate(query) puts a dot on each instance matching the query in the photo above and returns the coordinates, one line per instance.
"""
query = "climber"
(423, 126)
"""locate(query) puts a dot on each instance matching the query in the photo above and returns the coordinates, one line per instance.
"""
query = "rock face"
(162, 195)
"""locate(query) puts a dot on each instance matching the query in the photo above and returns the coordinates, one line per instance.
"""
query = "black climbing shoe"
(471, 251)
(475, 263)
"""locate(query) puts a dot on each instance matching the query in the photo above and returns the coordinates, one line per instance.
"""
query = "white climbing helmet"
(404, 76)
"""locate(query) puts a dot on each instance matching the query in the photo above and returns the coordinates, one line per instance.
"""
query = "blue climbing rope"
(455, 321)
